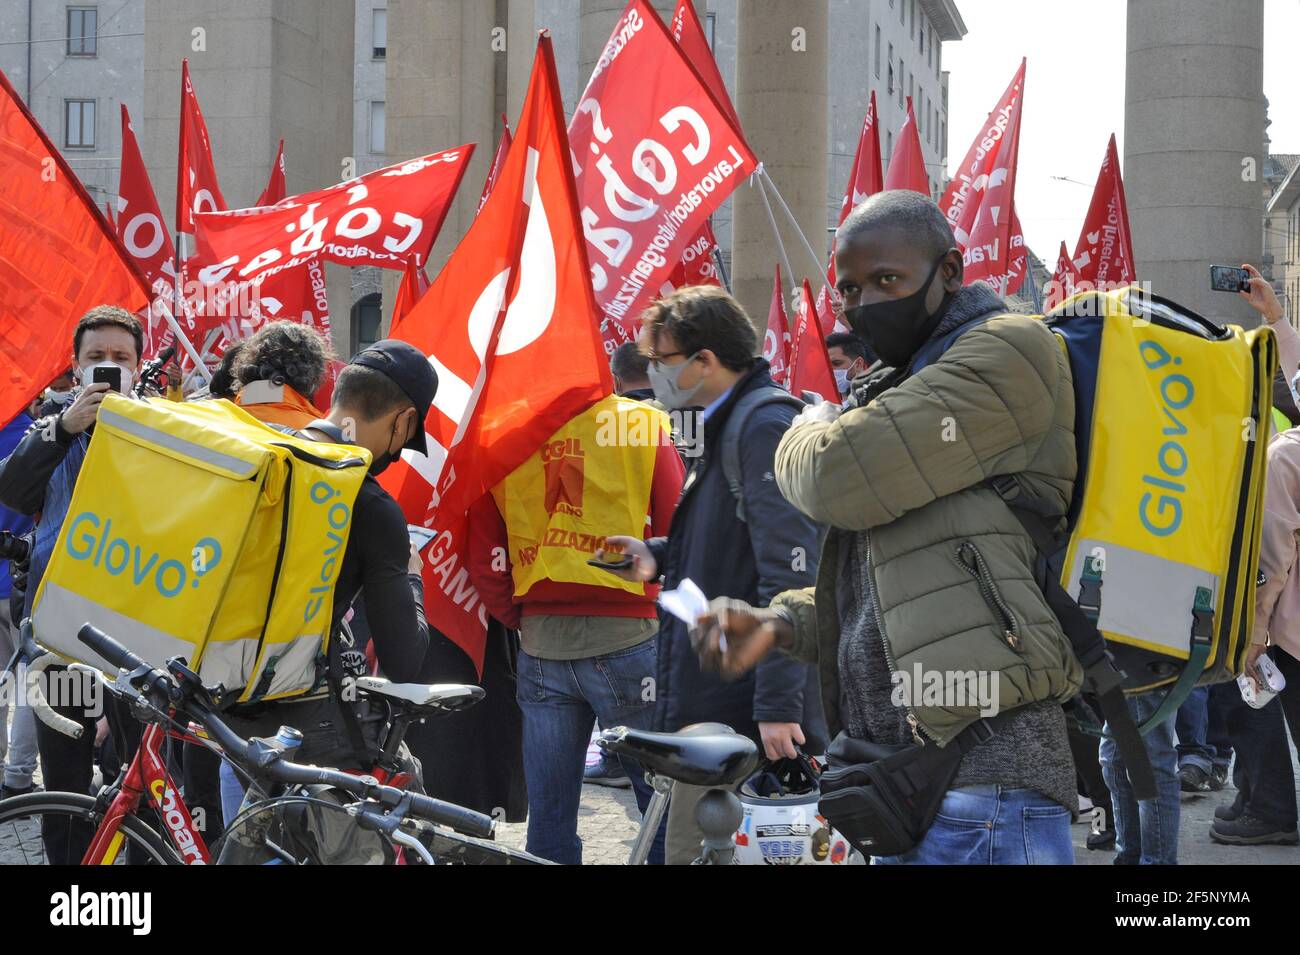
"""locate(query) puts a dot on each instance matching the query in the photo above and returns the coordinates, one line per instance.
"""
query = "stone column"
(781, 98)
(1193, 134)
(441, 93)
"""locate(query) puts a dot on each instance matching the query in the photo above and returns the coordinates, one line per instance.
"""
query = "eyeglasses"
(667, 354)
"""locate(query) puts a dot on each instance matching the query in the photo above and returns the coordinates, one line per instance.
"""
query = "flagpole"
(170, 318)
(780, 245)
(818, 267)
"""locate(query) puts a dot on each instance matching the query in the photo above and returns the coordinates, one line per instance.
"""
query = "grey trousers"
(17, 742)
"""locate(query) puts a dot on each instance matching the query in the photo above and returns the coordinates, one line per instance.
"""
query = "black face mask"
(896, 329)
(380, 462)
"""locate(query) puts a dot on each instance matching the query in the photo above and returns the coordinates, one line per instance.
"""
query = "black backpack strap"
(1100, 676)
(734, 430)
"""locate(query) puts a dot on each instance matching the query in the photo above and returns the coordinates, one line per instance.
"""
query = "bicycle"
(114, 820)
(433, 831)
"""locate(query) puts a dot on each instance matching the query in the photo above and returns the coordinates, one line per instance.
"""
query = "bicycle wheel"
(31, 823)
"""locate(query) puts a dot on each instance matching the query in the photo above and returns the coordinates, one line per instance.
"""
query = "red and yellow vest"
(590, 480)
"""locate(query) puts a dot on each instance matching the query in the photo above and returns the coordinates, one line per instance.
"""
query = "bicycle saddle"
(447, 697)
(702, 754)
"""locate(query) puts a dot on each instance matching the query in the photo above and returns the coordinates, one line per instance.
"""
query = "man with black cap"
(380, 402)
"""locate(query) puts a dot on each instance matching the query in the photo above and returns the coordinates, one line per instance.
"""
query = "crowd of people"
(817, 530)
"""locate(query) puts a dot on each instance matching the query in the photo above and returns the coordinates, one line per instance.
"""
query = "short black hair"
(223, 383)
(368, 393)
(284, 351)
(629, 363)
(917, 217)
(705, 316)
(850, 344)
(109, 316)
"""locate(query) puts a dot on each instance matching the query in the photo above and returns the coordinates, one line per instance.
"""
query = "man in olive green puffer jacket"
(925, 572)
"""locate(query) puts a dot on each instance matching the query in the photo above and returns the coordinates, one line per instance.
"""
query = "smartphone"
(618, 562)
(420, 536)
(113, 376)
(1226, 278)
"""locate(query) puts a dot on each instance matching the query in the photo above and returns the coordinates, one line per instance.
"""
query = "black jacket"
(776, 549)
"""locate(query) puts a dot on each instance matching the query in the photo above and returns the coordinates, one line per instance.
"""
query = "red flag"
(498, 159)
(385, 218)
(864, 176)
(907, 165)
(196, 176)
(510, 324)
(1103, 255)
(1062, 285)
(145, 237)
(810, 362)
(826, 316)
(655, 154)
(696, 266)
(58, 257)
(776, 343)
(979, 201)
(415, 282)
(275, 188)
(980, 169)
(689, 34)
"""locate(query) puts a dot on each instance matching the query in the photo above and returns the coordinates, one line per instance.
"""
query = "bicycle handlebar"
(268, 762)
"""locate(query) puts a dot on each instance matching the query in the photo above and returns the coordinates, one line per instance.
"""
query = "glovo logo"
(337, 516)
(91, 538)
(1162, 514)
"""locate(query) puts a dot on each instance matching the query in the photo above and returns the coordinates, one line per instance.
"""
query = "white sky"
(1062, 39)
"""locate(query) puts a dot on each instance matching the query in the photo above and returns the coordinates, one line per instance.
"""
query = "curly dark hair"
(293, 353)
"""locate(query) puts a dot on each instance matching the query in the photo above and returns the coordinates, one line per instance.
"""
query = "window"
(902, 12)
(921, 38)
(911, 27)
(902, 71)
(83, 25)
(79, 123)
(877, 56)
(710, 27)
(377, 126)
(379, 34)
(890, 87)
(367, 319)
(889, 145)
(910, 79)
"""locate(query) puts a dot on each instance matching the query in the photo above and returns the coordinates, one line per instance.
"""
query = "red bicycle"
(115, 827)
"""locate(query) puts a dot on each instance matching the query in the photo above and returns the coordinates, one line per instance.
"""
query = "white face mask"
(842, 380)
(87, 374)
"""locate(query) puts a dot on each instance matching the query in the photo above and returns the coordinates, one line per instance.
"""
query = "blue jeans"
(993, 825)
(559, 700)
(232, 793)
(1202, 732)
(1146, 832)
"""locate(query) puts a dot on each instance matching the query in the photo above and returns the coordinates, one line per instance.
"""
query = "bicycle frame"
(148, 773)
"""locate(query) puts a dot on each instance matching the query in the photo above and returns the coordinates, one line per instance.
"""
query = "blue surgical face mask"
(663, 379)
(842, 380)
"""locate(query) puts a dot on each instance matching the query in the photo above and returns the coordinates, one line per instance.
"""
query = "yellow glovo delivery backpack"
(197, 531)
(1172, 417)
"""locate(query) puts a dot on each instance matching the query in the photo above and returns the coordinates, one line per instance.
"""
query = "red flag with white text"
(511, 327)
(810, 362)
(907, 165)
(196, 176)
(415, 282)
(145, 237)
(385, 218)
(776, 342)
(58, 257)
(654, 154)
(275, 187)
(1103, 255)
(1062, 284)
(865, 178)
(979, 200)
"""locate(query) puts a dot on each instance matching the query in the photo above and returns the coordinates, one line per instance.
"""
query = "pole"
(819, 267)
(200, 368)
(776, 233)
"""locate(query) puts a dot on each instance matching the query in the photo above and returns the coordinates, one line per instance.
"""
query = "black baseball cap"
(410, 370)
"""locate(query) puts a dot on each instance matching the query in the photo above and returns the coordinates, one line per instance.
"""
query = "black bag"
(883, 798)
